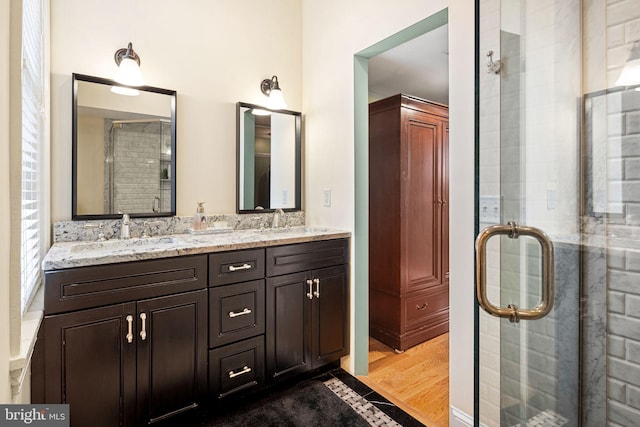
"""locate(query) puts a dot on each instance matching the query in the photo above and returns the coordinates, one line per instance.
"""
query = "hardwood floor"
(416, 380)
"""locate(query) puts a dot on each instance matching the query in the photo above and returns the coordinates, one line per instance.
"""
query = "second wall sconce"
(271, 88)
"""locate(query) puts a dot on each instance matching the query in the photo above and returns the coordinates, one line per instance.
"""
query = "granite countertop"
(86, 253)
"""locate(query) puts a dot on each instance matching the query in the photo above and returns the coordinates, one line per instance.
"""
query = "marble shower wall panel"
(547, 348)
(593, 324)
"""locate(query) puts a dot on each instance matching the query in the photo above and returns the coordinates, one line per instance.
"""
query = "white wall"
(333, 32)
(214, 53)
(5, 250)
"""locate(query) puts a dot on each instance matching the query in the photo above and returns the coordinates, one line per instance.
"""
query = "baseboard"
(457, 418)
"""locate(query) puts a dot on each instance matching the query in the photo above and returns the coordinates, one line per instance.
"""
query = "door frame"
(360, 345)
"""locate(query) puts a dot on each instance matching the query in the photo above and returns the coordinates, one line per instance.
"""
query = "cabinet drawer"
(420, 308)
(237, 367)
(88, 287)
(306, 256)
(235, 267)
(236, 312)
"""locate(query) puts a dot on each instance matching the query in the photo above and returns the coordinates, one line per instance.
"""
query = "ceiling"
(419, 67)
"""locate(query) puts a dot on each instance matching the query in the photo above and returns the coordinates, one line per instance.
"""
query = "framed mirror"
(124, 148)
(268, 159)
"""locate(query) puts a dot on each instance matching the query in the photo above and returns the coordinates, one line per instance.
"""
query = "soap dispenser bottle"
(199, 219)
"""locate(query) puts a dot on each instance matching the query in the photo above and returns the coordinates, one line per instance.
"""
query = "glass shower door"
(558, 213)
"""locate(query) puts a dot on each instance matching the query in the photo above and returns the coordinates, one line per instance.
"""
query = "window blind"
(32, 147)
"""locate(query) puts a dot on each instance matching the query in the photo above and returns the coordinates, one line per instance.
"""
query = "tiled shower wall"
(134, 188)
(617, 222)
(614, 140)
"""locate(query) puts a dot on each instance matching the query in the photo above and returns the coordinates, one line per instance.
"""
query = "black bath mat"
(324, 401)
(308, 404)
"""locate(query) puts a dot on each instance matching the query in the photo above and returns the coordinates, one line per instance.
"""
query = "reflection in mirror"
(123, 150)
(268, 159)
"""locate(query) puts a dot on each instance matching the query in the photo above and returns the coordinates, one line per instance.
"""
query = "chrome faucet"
(101, 237)
(276, 218)
(124, 227)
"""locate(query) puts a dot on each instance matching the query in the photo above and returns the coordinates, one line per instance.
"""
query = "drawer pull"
(233, 314)
(422, 307)
(317, 291)
(310, 292)
(240, 267)
(130, 333)
(143, 332)
(244, 370)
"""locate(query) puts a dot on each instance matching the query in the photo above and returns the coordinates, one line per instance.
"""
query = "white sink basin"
(129, 244)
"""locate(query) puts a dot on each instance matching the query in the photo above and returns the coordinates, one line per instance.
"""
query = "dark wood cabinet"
(236, 312)
(329, 315)
(90, 365)
(237, 368)
(408, 220)
(307, 311)
(126, 364)
(133, 344)
(236, 323)
(289, 341)
(171, 355)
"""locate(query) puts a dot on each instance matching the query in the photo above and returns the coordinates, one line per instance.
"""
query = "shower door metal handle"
(512, 311)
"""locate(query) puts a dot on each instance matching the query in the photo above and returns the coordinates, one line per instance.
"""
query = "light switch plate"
(326, 197)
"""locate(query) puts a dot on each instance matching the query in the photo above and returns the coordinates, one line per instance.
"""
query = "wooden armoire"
(408, 220)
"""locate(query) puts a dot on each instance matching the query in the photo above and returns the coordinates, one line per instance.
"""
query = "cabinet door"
(172, 354)
(90, 365)
(421, 201)
(329, 314)
(288, 329)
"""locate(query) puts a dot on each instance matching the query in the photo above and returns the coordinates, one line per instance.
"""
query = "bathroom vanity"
(138, 331)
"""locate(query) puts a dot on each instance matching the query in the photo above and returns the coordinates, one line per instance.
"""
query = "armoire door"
(421, 200)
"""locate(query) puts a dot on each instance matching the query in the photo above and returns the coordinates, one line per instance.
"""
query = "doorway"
(413, 62)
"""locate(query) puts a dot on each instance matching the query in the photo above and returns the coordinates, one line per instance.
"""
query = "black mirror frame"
(74, 156)
(298, 155)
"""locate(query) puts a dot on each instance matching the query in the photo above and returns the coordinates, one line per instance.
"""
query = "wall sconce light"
(128, 67)
(630, 74)
(271, 88)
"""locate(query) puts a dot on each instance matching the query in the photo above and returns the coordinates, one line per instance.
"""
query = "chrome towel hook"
(493, 66)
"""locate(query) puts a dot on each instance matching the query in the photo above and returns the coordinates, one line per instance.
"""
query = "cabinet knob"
(422, 306)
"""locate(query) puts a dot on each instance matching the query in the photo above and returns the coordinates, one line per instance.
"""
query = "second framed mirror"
(268, 159)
